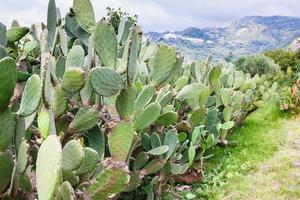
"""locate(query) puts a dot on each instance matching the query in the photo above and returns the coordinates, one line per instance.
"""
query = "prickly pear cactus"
(96, 112)
(8, 78)
(48, 168)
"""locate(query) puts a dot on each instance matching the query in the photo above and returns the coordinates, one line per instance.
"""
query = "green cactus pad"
(146, 141)
(71, 177)
(133, 56)
(228, 125)
(73, 80)
(8, 78)
(105, 44)
(227, 113)
(111, 181)
(60, 101)
(153, 166)
(124, 30)
(166, 98)
(140, 161)
(6, 168)
(226, 94)
(75, 57)
(22, 158)
(144, 97)
(7, 124)
(85, 119)
(204, 96)
(96, 141)
(167, 118)
(87, 92)
(106, 82)
(31, 96)
(212, 120)
(163, 64)
(66, 191)
(89, 161)
(120, 140)
(51, 23)
(84, 14)
(190, 91)
(72, 155)
(3, 38)
(43, 121)
(214, 75)
(48, 168)
(197, 116)
(16, 33)
(171, 140)
(183, 126)
(147, 116)
(159, 150)
(125, 102)
(3, 51)
(181, 82)
(175, 168)
(155, 140)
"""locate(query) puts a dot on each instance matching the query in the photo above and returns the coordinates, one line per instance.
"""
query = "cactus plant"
(8, 79)
(48, 168)
(129, 116)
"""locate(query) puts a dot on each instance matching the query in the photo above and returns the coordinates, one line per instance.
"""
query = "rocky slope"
(249, 35)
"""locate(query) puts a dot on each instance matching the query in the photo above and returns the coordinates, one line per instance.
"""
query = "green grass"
(258, 138)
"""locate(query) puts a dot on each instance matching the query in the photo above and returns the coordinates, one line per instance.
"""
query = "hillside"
(248, 35)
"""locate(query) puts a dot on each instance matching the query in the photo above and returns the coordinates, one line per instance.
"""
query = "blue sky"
(159, 15)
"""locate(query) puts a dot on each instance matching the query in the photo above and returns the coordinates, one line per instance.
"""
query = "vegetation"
(256, 65)
(89, 111)
(231, 173)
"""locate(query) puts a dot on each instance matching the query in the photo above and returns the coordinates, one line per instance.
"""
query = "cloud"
(158, 15)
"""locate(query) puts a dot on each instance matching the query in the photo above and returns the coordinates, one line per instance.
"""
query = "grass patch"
(258, 138)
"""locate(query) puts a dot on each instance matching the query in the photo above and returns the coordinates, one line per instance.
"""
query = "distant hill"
(295, 45)
(248, 35)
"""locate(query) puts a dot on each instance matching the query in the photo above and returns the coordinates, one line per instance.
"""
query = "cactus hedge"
(92, 111)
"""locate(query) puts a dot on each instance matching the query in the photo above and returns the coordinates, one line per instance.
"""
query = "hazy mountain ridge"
(248, 35)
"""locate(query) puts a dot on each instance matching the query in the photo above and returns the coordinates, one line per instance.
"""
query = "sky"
(158, 15)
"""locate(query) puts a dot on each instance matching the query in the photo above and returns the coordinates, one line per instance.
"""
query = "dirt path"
(277, 178)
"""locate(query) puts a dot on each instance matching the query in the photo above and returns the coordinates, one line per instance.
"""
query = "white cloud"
(158, 15)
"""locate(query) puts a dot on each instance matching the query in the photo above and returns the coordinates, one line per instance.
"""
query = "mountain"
(248, 35)
(295, 45)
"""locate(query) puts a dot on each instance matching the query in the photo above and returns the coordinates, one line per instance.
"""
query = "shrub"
(256, 65)
(287, 60)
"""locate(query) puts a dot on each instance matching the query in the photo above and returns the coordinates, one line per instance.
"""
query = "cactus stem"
(13, 175)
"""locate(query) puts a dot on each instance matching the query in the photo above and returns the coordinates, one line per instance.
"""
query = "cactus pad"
(73, 80)
(84, 14)
(6, 167)
(112, 180)
(105, 44)
(89, 161)
(72, 155)
(84, 120)
(48, 168)
(144, 97)
(163, 64)
(75, 57)
(125, 102)
(66, 191)
(7, 125)
(147, 116)
(31, 96)
(8, 78)
(106, 82)
(120, 140)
